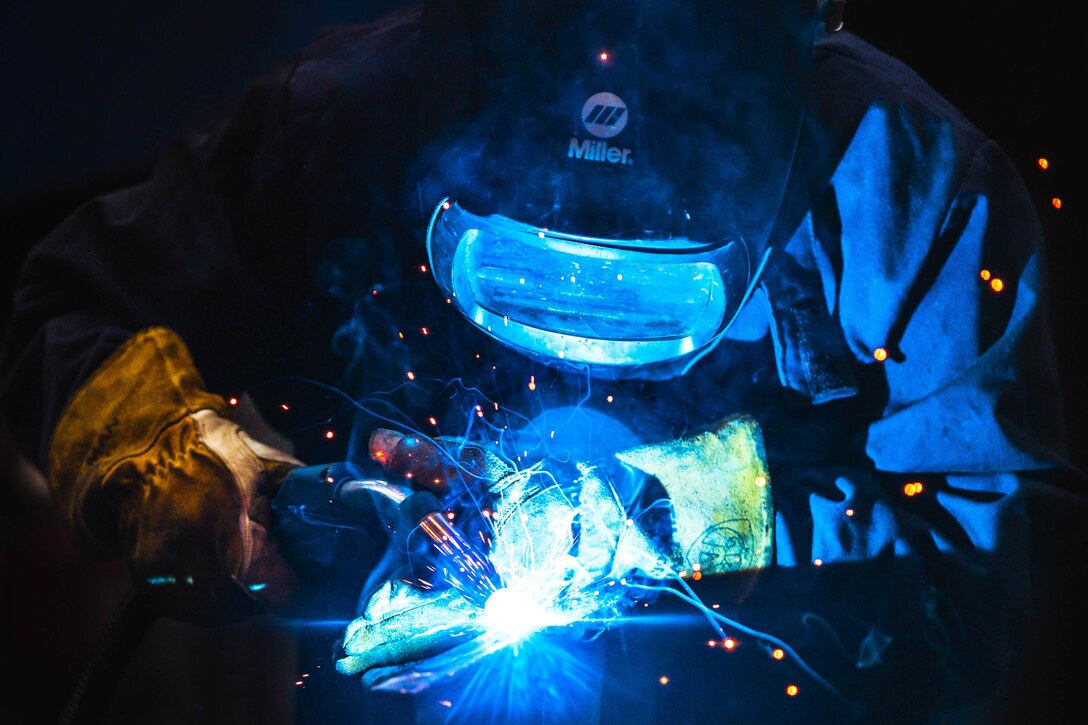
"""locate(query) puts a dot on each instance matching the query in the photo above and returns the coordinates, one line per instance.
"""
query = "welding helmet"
(602, 177)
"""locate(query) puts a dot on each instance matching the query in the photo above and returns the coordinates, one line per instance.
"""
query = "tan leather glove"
(144, 464)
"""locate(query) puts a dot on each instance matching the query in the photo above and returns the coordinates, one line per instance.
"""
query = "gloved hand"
(721, 520)
(407, 630)
(145, 464)
(719, 493)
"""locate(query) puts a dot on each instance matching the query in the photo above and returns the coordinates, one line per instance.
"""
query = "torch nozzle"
(465, 567)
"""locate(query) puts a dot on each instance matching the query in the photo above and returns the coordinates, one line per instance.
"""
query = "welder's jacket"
(286, 241)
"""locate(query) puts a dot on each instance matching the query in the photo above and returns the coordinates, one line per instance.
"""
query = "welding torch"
(417, 520)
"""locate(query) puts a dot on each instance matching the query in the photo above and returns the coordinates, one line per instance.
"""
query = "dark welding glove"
(145, 464)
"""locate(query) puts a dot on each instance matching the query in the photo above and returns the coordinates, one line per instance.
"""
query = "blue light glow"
(603, 302)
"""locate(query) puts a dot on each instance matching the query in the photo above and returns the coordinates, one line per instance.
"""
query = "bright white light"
(513, 615)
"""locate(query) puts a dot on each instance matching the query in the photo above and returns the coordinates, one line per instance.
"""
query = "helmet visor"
(608, 303)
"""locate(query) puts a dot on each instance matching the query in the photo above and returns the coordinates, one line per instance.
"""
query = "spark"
(330, 434)
(664, 680)
(411, 375)
(985, 274)
(1044, 163)
(849, 512)
(778, 653)
(233, 401)
(996, 284)
(880, 354)
(1056, 202)
(792, 690)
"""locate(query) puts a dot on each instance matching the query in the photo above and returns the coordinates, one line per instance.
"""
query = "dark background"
(93, 90)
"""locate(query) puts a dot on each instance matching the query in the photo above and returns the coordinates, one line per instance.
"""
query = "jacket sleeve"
(959, 480)
(205, 247)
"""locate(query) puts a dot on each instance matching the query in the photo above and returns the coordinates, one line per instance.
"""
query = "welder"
(627, 233)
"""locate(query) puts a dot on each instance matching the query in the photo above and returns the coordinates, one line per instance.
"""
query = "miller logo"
(604, 115)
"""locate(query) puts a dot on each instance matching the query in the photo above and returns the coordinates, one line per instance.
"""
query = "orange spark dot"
(400, 335)
(880, 354)
(445, 205)
(761, 481)
(663, 680)
(496, 406)
(985, 274)
(449, 515)
(432, 421)
(697, 575)
(422, 268)
(818, 562)
(849, 512)
(996, 284)
(1056, 203)
(374, 292)
(411, 375)
(609, 399)
(532, 382)
(330, 434)
(729, 643)
(1044, 163)
(298, 683)
(712, 643)
(284, 406)
(778, 653)
(233, 401)
(912, 489)
(603, 56)
(792, 690)
(715, 606)
(425, 331)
